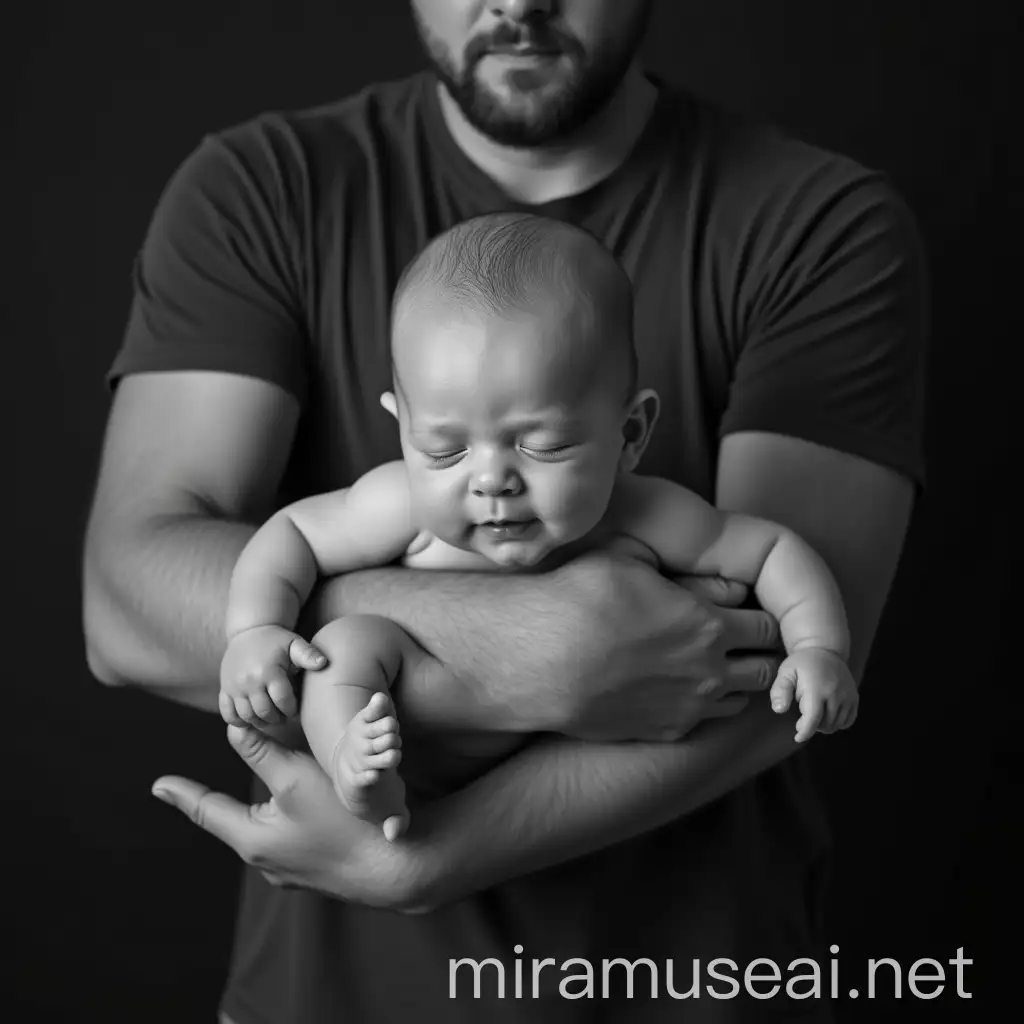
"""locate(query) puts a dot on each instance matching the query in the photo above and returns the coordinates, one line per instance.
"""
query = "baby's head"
(515, 384)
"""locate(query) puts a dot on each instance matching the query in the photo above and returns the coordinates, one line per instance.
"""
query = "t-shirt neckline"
(648, 152)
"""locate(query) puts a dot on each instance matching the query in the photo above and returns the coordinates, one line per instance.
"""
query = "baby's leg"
(349, 721)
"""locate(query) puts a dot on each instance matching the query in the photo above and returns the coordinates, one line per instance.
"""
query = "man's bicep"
(854, 513)
(194, 442)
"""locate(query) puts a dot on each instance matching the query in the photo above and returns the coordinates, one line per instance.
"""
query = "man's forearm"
(155, 605)
(452, 615)
(562, 799)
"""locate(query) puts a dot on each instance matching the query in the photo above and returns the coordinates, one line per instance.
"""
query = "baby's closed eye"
(545, 452)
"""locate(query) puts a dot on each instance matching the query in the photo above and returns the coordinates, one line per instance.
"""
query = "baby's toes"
(395, 826)
(384, 760)
(377, 709)
(391, 739)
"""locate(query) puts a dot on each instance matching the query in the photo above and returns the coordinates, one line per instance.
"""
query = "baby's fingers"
(228, 712)
(781, 693)
(811, 712)
(263, 709)
(283, 696)
(243, 712)
(304, 655)
(847, 715)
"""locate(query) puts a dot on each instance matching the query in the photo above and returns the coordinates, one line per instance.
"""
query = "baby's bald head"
(507, 264)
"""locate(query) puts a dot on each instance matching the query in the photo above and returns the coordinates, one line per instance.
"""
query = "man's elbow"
(100, 667)
(108, 645)
(100, 640)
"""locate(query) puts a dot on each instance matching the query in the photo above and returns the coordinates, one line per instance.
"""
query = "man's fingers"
(748, 630)
(749, 674)
(220, 815)
(275, 765)
(726, 707)
(723, 592)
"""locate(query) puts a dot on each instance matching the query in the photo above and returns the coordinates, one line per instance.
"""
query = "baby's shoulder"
(386, 483)
(381, 499)
(640, 499)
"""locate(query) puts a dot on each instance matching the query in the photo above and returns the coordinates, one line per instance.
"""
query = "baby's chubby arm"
(790, 579)
(366, 525)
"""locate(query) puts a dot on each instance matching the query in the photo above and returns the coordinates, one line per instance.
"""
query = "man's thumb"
(216, 813)
(305, 655)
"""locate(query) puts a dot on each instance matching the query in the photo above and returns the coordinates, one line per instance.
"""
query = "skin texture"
(496, 427)
(522, 75)
(172, 511)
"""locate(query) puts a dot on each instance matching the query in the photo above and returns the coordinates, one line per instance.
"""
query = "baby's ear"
(389, 403)
(638, 427)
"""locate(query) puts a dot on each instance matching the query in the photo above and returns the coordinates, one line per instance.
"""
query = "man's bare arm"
(192, 461)
(190, 464)
(561, 799)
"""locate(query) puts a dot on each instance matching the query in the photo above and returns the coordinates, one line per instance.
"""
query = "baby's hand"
(255, 687)
(824, 688)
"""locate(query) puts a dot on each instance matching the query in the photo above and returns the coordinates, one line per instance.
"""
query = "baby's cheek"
(578, 499)
(437, 504)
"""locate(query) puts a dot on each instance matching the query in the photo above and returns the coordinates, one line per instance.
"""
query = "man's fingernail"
(161, 794)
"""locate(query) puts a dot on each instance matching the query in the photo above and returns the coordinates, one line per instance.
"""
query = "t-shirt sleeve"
(835, 347)
(216, 283)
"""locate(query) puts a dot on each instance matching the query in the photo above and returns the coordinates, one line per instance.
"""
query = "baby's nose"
(492, 481)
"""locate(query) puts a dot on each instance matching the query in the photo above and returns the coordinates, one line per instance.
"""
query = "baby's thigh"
(365, 655)
(362, 650)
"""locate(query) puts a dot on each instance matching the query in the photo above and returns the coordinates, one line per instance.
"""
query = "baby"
(521, 427)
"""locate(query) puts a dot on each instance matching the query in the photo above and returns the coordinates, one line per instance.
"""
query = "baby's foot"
(364, 767)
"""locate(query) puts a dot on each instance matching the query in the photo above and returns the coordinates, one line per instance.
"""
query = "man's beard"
(582, 95)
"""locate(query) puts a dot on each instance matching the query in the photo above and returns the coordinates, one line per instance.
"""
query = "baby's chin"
(517, 556)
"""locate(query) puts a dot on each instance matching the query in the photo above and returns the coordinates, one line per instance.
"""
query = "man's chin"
(530, 114)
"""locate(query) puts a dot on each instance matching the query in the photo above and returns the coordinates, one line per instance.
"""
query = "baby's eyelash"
(443, 458)
(547, 452)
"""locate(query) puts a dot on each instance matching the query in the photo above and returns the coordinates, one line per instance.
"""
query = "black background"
(116, 907)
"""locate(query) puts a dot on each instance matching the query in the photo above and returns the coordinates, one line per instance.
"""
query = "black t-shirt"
(779, 288)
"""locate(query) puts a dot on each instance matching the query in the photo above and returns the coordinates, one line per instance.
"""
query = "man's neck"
(574, 164)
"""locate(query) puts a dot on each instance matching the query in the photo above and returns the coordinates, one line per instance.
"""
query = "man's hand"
(302, 836)
(660, 662)
(601, 648)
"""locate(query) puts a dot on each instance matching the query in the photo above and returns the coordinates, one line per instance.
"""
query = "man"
(779, 312)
